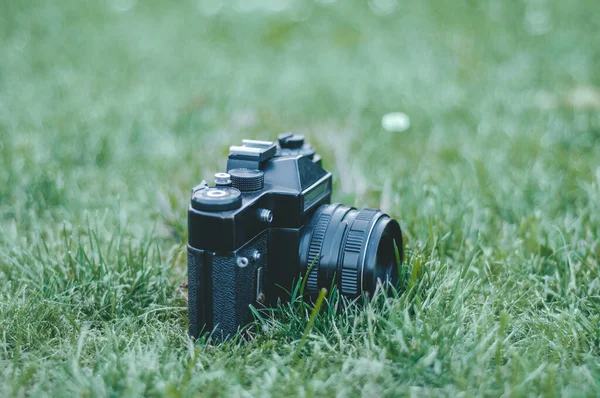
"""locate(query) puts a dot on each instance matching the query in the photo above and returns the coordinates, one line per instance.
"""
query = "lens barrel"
(350, 248)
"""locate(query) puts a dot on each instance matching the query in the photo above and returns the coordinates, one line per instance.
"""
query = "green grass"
(111, 110)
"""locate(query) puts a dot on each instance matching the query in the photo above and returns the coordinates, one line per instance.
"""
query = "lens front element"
(354, 249)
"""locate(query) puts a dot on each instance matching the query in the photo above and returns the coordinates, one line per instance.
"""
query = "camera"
(268, 222)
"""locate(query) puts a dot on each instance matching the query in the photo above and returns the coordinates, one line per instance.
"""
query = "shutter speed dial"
(247, 180)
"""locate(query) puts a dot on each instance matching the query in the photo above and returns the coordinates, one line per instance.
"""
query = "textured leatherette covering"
(220, 291)
(234, 287)
(196, 304)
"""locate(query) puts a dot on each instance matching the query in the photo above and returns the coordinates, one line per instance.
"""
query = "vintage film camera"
(268, 221)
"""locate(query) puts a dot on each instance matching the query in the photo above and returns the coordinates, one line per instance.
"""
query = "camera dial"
(293, 145)
(222, 179)
(217, 199)
(291, 141)
(247, 179)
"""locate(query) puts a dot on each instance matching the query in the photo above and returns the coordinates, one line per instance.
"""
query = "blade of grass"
(311, 321)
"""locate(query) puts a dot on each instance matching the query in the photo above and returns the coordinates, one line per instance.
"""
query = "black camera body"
(269, 220)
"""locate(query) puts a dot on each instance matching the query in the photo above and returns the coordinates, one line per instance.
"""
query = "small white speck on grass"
(121, 5)
(584, 97)
(395, 122)
(383, 7)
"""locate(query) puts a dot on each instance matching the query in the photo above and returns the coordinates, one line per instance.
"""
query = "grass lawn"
(110, 111)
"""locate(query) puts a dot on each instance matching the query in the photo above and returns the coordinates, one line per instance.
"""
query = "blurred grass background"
(111, 110)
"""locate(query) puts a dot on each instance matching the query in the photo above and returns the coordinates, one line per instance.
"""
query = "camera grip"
(235, 287)
(221, 288)
(196, 291)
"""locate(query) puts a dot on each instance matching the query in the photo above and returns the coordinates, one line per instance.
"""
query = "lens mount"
(353, 249)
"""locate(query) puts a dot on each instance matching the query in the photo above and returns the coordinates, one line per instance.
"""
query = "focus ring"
(349, 272)
(353, 250)
(314, 252)
(349, 249)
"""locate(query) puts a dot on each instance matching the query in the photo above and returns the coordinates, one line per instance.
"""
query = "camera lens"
(353, 249)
